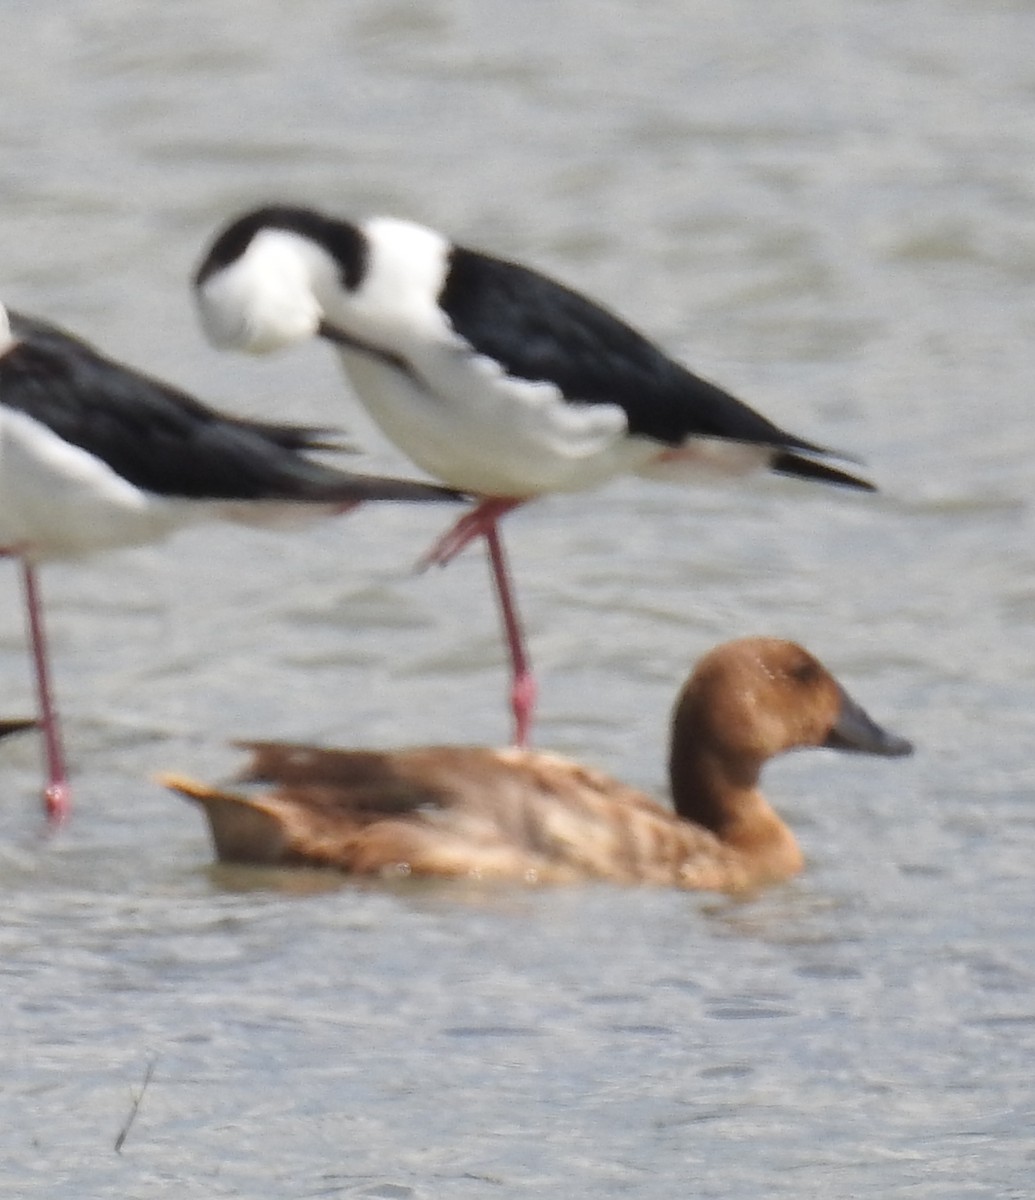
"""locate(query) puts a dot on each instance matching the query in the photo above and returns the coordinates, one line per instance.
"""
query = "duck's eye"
(805, 672)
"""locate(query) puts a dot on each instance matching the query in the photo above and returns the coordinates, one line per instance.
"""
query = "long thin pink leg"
(472, 525)
(482, 522)
(57, 797)
(523, 689)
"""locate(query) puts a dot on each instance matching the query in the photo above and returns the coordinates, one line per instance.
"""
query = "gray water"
(828, 206)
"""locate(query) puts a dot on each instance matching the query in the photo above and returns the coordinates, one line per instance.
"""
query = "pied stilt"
(94, 455)
(492, 377)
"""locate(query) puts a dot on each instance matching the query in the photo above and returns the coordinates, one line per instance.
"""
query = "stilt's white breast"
(7, 339)
(57, 500)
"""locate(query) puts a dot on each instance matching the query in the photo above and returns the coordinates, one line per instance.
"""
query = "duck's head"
(266, 278)
(751, 699)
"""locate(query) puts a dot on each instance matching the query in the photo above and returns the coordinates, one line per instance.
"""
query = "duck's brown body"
(516, 814)
(470, 811)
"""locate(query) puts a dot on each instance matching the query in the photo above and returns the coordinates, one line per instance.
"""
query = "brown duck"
(514, 814)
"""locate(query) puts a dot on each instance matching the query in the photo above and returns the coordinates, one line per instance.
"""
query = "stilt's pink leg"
(523, 689)
(479, 522)
(57, 797)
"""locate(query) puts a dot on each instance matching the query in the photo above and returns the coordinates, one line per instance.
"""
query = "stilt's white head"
(259, 287)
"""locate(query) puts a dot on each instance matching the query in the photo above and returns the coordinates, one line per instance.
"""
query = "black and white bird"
(488, 375)
(94, 455)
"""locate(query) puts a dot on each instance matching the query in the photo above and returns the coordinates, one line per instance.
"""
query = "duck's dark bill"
(857, 731)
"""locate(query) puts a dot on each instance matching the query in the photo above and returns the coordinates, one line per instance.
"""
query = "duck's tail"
(243, 829)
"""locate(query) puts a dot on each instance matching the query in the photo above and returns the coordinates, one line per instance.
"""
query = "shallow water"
(827, 207)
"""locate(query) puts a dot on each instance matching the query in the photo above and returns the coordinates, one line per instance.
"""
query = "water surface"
(827, 207)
